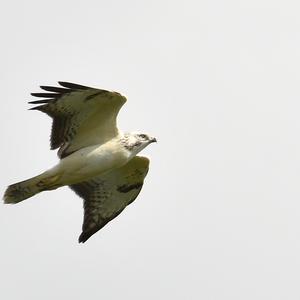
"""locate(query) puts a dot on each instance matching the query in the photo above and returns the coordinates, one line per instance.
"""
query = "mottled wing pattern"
(82, 116)
(106, 196)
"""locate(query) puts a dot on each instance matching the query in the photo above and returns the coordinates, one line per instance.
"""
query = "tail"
(25, 189)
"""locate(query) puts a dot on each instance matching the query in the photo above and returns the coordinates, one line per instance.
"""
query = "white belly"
(90, 162)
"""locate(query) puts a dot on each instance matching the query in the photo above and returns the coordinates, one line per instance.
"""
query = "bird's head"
(136, 142)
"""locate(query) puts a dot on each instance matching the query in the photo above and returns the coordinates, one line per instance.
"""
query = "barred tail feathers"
(25, 189)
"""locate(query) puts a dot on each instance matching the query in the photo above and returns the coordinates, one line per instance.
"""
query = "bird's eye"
(143, 136)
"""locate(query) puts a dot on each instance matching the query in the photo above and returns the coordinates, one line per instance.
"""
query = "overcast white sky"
(217, 82)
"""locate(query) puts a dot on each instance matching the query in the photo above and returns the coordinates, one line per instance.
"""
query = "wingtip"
(39, 101)
(54, 89)
(73, 86)
(39, 107)
(82, 238)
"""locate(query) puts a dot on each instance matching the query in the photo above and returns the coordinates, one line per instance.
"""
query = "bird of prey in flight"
(97, 161)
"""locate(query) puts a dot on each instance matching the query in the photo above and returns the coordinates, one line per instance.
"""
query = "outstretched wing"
(106, 196)
(82, 116)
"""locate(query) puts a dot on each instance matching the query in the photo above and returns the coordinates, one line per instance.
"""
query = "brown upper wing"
(82, 116)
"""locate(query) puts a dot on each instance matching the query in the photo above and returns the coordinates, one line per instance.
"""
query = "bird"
(97, 161)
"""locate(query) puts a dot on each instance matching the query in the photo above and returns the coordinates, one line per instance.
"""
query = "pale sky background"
(218, 84)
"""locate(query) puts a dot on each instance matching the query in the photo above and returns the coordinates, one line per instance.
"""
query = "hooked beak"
(153, 140)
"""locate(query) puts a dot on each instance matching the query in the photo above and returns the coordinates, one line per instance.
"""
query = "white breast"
(91, 161)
